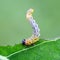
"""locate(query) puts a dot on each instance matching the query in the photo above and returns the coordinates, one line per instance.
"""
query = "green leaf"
(7, 50)
(48, 50)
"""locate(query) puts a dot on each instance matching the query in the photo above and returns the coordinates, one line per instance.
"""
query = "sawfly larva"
(36, 31)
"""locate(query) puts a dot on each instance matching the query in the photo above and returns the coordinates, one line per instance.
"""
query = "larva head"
(27, 42)
(23, 42)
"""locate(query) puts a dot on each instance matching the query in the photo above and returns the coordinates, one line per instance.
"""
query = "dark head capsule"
(23, 42)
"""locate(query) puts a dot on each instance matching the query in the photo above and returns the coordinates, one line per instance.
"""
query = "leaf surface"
(7, 50)
(48, 50)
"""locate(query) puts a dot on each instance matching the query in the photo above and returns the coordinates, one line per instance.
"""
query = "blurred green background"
(14, 27)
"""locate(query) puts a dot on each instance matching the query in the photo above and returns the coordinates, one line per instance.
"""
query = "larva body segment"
(36, 31)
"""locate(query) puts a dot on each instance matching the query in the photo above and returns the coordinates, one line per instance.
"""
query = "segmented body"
(36, 31)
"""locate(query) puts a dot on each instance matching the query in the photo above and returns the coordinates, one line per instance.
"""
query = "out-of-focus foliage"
(14, 26)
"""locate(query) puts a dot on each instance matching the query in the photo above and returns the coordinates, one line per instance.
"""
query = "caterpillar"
(36, 31)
